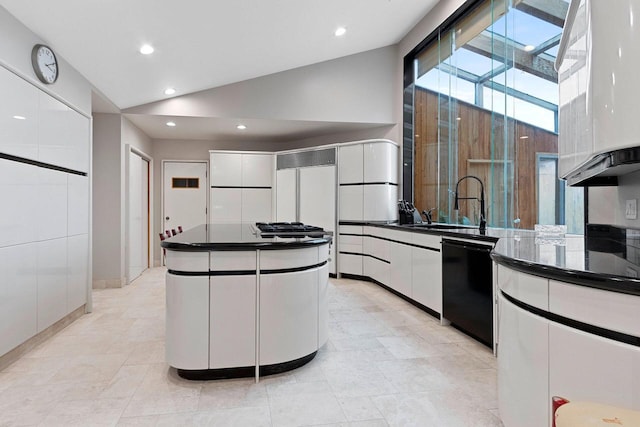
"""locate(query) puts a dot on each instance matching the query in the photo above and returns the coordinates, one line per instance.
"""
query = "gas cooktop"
(287, 228)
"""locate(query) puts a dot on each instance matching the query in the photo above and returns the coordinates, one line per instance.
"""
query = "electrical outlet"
(631, 209)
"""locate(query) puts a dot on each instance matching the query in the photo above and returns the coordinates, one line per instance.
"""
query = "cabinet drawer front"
(610, 310)
(351, 240)
(427, 240)
(350, 264)
(351, 229)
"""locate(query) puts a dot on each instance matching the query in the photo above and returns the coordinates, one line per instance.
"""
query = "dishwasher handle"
(467, 246)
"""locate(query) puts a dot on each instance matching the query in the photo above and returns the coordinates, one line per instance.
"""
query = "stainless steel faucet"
(483, 221)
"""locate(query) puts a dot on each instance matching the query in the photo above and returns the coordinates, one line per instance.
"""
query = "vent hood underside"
(605, 168)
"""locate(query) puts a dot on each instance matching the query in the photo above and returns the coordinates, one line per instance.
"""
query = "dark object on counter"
(427, 215)
(467, 278)
(408, 214)
(483, 220)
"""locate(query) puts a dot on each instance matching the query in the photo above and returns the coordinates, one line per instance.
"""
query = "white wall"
(607, 204)
(357, 88)
(16, 42)
(108, 225)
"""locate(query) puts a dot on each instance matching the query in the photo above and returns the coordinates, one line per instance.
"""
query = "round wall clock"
(44, 63)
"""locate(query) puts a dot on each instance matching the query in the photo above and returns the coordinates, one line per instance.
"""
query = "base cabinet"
(232, 346)
(288, 308)
(523, 367)
(586, 367)
(187, 333)
(426, 280)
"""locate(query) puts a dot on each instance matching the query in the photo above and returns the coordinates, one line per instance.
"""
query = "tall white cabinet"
(241, 187)
(368, 192)
(306, 189)
(44, 225)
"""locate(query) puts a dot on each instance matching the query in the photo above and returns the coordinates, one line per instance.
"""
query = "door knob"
(166, 218)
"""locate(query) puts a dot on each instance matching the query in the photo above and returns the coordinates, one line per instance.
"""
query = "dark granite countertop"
(607, 257)
(239, 237)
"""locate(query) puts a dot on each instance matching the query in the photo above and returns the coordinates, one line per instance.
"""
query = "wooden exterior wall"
(478, 139)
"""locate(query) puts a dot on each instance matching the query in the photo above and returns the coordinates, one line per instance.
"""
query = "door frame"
(208, 188)
(129, 149)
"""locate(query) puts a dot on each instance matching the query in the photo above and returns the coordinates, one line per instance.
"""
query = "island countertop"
(240, 237)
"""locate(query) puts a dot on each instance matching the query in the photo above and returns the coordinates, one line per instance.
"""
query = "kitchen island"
(241, 302)
(569, 310)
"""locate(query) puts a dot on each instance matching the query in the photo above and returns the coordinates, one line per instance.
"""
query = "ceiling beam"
(553, 41)
(552, 11)
(502, 49)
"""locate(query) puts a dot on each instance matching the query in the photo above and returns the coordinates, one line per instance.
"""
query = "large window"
(481, 99)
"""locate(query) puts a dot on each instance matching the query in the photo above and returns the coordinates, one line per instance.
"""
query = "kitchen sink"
(439, 226)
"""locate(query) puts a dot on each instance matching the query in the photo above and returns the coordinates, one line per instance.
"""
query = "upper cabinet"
(226, 169)
(351, 164)
(257, 170)
(18, 116)
(368, 177)
(380, 162)
(229, 169)
(36, 126)
(597, 62)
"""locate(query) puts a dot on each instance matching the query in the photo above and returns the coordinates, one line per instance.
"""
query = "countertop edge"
(243, 246)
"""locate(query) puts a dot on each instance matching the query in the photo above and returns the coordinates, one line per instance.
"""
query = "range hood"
(605, 168)
(598, 61)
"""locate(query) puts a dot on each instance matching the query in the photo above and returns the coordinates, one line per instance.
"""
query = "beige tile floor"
(386, 364)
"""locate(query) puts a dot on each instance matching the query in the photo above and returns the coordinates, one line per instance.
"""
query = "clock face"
(44, 63)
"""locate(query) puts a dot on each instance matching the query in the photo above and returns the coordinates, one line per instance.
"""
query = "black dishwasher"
(467, 283)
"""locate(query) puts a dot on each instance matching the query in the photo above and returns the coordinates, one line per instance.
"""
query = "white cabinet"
(235, 346)
(226, 205)
(77, 204)
(226, 169)
(257, 170)
(187, 334)
(20, 204)
(232, 205)
(350, 244)
(351, 164)
(351, 202)
(256, 205)
(286, 195)
(380, 202)
(19, 289)
(51, 204)
(380, 162)
(368, 177)
(18, 116)
(586, 367)
(52, 282)
(235, 169)
(77, 271)
(427, 271)
(597, 81)
(240, 187)
(523, 367)
(400, 269)
(288, 311)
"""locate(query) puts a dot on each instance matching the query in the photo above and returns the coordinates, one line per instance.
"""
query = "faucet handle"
(427, 215)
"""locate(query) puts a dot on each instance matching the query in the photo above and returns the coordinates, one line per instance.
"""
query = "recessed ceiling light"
(20, 117)
(340, 31)
(241, 127)
(529, 48)
(171, 124)
(524, 137)
(169, 91)
(458, 118)
(146, 49)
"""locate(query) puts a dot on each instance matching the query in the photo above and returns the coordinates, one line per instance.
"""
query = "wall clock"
(44, 63)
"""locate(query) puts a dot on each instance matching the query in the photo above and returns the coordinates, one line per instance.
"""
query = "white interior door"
(185, 195)
(138, 216)
(318, 200)
(286, 195)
